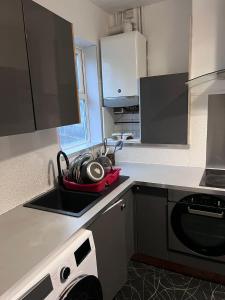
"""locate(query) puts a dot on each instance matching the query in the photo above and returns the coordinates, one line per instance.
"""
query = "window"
(80, 71)
(73, 137)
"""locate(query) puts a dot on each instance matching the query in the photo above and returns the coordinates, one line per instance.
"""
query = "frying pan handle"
(105, 145)
(60, 176)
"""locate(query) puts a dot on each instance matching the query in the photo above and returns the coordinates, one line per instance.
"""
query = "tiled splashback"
(131, 124)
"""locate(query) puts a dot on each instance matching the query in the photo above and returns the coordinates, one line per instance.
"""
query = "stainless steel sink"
(70, 203)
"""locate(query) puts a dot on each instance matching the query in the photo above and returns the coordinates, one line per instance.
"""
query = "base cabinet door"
(109, 231)
(151, 221)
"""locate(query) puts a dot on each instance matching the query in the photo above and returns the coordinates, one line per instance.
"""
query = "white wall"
(207, 54)
(208, 42)
(89, 22)
(166, 26)
(27, 161)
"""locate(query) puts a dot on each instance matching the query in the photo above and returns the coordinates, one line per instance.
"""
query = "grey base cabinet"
(151, 221)
(112, 232)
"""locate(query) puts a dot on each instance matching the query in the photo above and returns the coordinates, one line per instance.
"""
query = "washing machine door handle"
(83, 284)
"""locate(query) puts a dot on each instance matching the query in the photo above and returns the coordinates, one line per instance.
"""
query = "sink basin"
(71, 203)
(64, 202)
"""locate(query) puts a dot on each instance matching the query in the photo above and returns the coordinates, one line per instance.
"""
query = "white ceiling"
(111, 6)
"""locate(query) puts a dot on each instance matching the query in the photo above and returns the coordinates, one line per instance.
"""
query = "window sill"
(80, 148)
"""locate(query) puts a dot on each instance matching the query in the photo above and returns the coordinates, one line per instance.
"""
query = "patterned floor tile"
(146, 282)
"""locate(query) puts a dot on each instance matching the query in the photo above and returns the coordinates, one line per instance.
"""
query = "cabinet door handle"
(123, 205)
(113, 205)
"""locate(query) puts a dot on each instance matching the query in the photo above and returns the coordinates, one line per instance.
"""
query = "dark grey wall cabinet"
(113, 236)
(37, 69)
(151, 221)
(164, 109)
(52, 67)
(16, 113)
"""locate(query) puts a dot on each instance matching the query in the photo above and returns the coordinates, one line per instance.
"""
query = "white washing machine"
(71, 274)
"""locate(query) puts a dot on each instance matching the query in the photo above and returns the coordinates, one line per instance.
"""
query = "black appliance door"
(199, 223)
(83, 288)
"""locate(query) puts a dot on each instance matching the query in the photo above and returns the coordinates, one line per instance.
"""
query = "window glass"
(73, 135)
(88, 132)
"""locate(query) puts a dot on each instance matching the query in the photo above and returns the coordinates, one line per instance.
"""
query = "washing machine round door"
(83, 288)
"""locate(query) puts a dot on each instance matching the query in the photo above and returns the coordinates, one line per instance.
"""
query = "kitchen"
(146, 216)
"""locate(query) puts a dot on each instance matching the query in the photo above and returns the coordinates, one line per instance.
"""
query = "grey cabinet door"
(151, 221)
(16, 113)
(110, 242)
(129, 223)
(164, 109)
(52, 67)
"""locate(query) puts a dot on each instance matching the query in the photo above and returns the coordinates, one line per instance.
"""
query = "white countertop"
(29, 236)
(163, 175)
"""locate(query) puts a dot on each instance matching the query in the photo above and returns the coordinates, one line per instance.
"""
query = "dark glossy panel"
(16, 113)
(215, 154)
(129, 225)
(164, 109)
(52, 66)
(151, 221)
(110, 242)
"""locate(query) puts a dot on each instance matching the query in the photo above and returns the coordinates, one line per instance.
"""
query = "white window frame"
(82, 95)
(79, 53)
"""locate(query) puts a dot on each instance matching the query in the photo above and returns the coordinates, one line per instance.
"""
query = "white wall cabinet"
(123, 63)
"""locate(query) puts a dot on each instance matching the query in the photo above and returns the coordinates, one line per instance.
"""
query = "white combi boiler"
(124, 62)
(70, 274)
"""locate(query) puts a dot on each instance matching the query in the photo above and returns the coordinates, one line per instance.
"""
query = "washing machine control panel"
(65, 273)
(76, 258)
(41, 290)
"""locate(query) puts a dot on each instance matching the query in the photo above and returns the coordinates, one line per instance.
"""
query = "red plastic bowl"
(98, 187)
